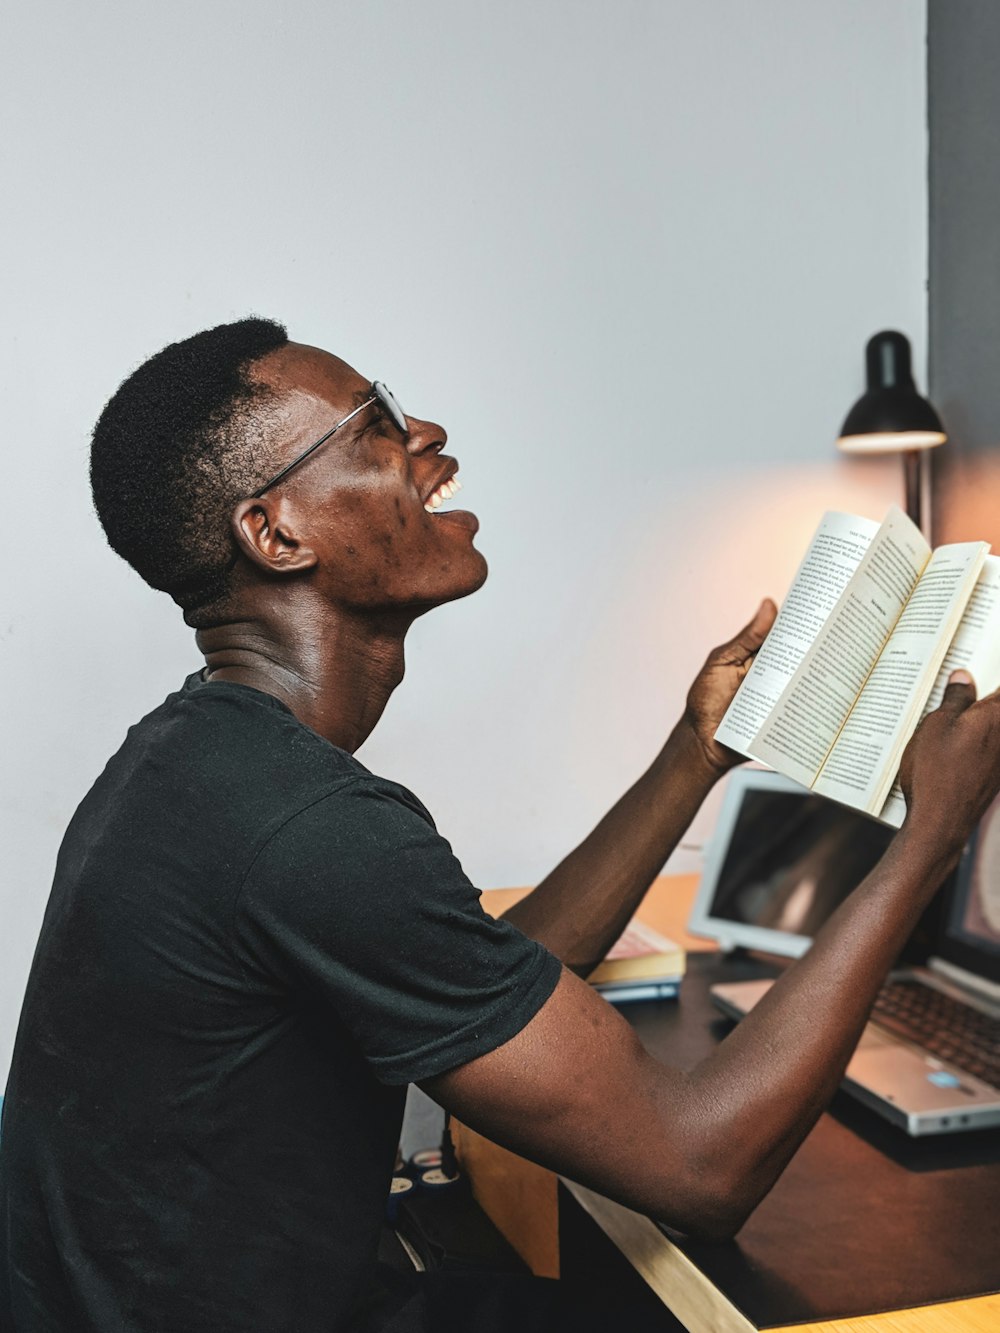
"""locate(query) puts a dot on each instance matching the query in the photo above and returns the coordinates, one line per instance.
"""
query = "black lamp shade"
(890, 415)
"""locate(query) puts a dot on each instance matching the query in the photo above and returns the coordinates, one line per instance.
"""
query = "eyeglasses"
(380, 394)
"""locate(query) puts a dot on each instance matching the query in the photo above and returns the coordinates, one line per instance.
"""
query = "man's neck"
(335, 672)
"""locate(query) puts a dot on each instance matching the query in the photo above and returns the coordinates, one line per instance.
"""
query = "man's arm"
(575, 1090)
(580, 909)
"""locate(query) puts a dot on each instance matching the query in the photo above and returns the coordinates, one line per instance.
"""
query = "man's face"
(364, 501)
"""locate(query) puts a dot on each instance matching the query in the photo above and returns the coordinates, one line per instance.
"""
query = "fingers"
(959, 694)
(751, 636)
(763, 618)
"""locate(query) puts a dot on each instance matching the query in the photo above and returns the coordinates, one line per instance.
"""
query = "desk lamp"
(890, 417)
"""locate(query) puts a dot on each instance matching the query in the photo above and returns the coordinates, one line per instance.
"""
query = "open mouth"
(443, 493)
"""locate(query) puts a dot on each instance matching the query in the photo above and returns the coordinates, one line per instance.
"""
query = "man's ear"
(263, 529)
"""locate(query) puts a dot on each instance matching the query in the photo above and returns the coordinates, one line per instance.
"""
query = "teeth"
(444, 492)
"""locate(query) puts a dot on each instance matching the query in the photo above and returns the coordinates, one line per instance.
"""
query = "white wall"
(628, 252)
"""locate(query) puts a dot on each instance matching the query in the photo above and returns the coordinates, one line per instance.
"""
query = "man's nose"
(425, 436)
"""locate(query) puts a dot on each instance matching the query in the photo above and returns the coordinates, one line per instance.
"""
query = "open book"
(873, 625)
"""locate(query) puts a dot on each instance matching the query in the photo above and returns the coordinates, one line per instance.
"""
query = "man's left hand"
(717, 682)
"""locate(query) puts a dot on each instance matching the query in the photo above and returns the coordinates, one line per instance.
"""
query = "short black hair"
(178, 445)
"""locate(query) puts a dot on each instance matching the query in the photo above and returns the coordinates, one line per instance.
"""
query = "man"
(253, 944)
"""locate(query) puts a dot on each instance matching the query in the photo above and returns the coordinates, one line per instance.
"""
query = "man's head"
(187, 440)
(182, 440)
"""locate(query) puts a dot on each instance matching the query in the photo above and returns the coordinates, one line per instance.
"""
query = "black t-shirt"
(252, 944)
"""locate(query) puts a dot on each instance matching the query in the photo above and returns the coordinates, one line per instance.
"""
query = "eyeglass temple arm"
(303, 456)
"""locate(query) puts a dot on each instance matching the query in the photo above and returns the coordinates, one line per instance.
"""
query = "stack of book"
(642, 965)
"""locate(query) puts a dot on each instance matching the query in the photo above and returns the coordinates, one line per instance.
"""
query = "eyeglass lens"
(385, 397)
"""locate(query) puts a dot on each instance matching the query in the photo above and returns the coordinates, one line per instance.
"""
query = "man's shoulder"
(215, 763)
(201, 786)
(254, 737)
(222, 732)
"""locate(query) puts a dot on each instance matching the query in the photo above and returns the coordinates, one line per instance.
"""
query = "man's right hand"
(950, 772)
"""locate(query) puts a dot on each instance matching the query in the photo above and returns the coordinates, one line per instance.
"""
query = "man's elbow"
(726, 1173)
(709, 1212)
(714, 1196)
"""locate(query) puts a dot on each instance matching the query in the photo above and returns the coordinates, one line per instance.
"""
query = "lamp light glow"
(890, 442)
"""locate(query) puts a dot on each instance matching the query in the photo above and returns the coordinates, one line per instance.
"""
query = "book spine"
(663, 990)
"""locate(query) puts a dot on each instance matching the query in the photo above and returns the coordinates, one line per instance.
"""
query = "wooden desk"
(523, 1200)
(666, 908)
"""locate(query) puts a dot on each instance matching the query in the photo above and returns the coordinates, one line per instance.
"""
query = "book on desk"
(642, 964)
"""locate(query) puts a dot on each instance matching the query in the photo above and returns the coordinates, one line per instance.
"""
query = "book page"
(816, 702)
(836, 550)
(862, 764)
(976, 647)
(638, 940)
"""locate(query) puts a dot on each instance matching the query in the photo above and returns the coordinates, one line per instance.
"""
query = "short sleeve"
(359, 905)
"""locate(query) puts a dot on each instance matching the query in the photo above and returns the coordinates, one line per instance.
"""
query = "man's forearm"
(581, 908)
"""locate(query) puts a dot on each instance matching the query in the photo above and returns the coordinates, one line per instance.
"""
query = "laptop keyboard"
(955, 1032)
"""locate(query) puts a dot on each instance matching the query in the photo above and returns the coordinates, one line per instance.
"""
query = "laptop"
(781, 861)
